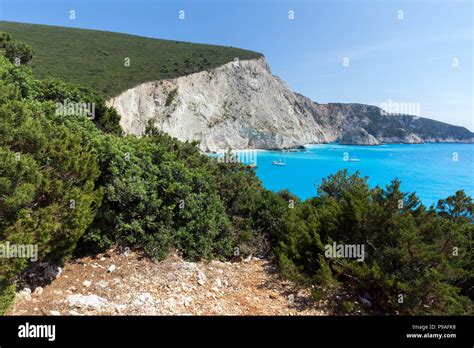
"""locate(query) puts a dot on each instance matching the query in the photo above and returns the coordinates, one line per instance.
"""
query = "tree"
(47, 193)
(417, 260)
(17, 52)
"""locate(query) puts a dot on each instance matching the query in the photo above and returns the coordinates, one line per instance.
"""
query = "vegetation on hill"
(399, 126)
(432, 129)
(69, 182)
(99, 59)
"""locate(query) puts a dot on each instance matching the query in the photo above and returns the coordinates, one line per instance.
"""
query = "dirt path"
(128, 284)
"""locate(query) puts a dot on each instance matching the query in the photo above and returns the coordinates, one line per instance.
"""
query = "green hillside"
(97, 58)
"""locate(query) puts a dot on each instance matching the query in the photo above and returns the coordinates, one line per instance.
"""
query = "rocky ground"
(126, 283)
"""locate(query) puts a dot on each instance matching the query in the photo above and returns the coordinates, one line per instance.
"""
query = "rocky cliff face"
(242, 105)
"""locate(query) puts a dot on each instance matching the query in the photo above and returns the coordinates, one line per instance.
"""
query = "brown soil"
(139, 286)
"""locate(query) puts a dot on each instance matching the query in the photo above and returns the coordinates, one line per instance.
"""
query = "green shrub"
(47, 176)
(156, 201)
(7, 294)
(417, 260)
(53, 90)
(256, 213)
(15, 51)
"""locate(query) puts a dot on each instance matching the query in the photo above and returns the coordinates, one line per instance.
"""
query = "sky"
(412, 55)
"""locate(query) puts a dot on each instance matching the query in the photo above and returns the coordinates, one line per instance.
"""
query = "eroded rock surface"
(241, 105)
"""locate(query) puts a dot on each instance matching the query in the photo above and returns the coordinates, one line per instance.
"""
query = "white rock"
(111, 268)
(143, 299)
(25, 294)
(231, 106)
(86, 283)
(54, 313)
(88, 301)
(187, 301)
(170, 303)
(188, 266)
(201, 278)
(120, 308)
(38, 290)
(218, 282)
(243, 106)
(102, 284)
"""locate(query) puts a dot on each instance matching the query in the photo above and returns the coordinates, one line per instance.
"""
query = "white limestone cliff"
(242, 105)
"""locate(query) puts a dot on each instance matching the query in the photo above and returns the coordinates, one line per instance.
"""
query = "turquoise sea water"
(433, 171)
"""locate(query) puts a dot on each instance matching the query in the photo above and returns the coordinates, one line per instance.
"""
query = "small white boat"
(354, 159)
(279, 163)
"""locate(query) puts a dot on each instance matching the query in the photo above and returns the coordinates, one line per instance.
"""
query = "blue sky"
(424, 59)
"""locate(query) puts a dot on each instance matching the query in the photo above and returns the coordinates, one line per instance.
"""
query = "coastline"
(434, 170)
(335, 143)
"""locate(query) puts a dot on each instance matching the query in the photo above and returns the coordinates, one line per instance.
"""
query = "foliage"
(156, 201)
(47, 181)
(417, 260)
(256, 214)
(16, 52)
(105, 118)
(427, 128)
(162, 195)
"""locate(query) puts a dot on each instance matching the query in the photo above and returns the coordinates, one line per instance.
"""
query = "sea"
(432, 170)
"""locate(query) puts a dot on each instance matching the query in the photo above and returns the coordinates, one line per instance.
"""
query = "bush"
(7, 294)
(417, 260)
(53, 90)
(156, 201)
(47, 176)
(15, 50)
(256, 213)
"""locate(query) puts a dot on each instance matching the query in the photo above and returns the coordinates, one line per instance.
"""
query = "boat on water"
(354, 159)
(279, 163)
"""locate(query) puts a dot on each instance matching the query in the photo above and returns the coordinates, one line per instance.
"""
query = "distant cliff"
(242, 105)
